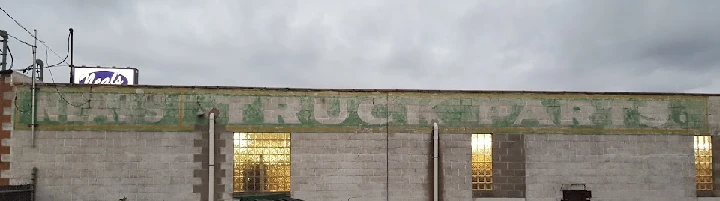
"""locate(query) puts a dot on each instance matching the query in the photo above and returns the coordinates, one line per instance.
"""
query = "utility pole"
(72, 50)
(34, 62)
(34, 100)
(4, 41)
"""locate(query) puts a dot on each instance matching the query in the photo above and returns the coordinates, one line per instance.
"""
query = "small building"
(92, 142)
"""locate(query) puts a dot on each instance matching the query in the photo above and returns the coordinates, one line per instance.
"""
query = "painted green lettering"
(321, 107)
(576, 111)
(534, 111)
(415, 111)
(365, 111)
(286, 108)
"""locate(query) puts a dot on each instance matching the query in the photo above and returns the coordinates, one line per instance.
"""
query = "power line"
(12, 59)
(66, 56)
(52, 77)
(16, 22)
(17, 108)
(64, 60)
(30, 67)
(34, 37)
(55, 53)
(26, 43)
(63, 97)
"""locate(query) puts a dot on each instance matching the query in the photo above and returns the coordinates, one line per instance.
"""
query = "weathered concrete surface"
(331, 166)
(81, 165)
(226, 165)
(339, 142)
(8, 110)
(353, 165)
(614, 167)
(498, 199)
(410, 173)
(17, 78)
(456, 172)
(714, 115)
(115, 107)
(221, 166)
(410, 170)
(508, 165)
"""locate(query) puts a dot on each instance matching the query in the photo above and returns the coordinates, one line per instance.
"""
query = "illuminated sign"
(104, 75)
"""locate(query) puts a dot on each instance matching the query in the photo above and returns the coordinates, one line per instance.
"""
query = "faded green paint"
(404, 111)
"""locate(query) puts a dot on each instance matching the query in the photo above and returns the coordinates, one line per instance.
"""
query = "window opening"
(261, 162)
(481, 162)
(703, 163)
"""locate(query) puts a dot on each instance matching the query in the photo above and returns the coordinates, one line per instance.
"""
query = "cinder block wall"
(713, 109)
(614, 167)
(223, 162)
(83, 165)
(400, 167)
(409, 175)
(332, 166)
(6, 116)
(714, 131)
(508, 166)
(456, 167)
(226, 165)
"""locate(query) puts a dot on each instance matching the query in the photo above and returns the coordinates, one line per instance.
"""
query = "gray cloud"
(658, 45)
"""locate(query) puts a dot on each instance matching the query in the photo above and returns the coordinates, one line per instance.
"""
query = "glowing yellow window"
(481, 162)
(703, 163)
(261, 162)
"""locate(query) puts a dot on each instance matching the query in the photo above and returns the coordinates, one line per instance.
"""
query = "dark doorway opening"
(576, 195)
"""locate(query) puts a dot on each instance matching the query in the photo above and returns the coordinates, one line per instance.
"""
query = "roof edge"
(372, 90)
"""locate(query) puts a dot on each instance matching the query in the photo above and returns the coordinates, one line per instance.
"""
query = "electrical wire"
(52, 77)
(59, 94)
(26, 43)
(59, 64)
(16, 22)
(34, 37)
(30, 67)
(55, 53)
(64, 60)
(12, 59)
(66, 55)
(15, 101)
(63, 97)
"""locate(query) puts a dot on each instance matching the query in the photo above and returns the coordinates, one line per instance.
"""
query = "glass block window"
(481, 162)
(261, 162)
(703, 163)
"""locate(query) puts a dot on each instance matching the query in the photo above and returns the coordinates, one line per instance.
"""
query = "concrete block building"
(93, 142)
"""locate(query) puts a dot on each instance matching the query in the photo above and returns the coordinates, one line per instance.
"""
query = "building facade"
(154, 143)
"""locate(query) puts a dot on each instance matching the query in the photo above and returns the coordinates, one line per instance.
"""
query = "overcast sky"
(608, 45)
